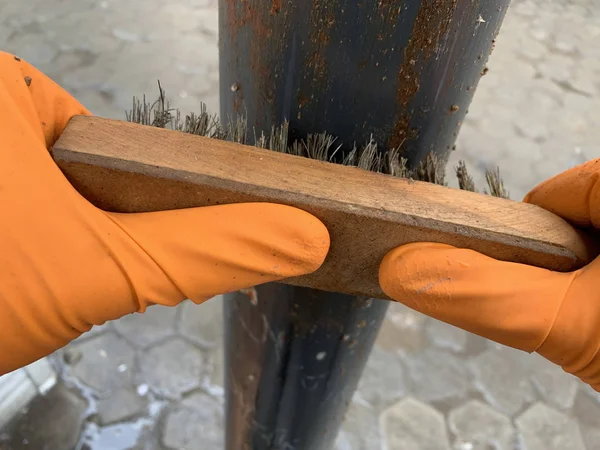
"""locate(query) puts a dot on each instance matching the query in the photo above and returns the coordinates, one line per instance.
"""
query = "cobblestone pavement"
(154, 381)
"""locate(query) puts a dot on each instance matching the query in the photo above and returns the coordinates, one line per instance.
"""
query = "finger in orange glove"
(66, 265)
(528, 308)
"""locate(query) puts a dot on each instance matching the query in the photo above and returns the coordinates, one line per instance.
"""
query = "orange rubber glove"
(532, 309)
(66, 265)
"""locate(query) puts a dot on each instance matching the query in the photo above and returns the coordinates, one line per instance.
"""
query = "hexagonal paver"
(586, 411)
(120, 405)
(557, 387)
(402, 328)
(360, 429)
(446, 336)
(410, 424)
(502, 380)
(479, 427)
(196, 423)
(544, 428)
(95, 331)
(382, 381)
(203, 323)
(217, 371)
(158, 322)
(105, 363)
(172, 368)
(591, 436)
(437, 375)
(117, 436)
(52, 421)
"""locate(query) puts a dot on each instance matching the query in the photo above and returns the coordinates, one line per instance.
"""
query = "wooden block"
(125, 167)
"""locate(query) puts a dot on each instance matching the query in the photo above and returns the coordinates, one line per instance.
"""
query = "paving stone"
(172, 368)
(402, 328)
(544, 428)
(410, 424)
(446, 336)
(478, 427)
(591, 436)
(360, 430)
(105, 364)
(556, 387)
(52, 421)
(587, 413)
(217, 369)
(382, 381)
(157, 323)
(141, 434)
(119, 406)
(590, 392)
(196, 423)
(34, 48)
(502, 379)
(437, 375)
(95, 331)
(203, 323)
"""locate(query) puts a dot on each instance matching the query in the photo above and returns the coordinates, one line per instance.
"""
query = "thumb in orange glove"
(66, 265)
(528, 308)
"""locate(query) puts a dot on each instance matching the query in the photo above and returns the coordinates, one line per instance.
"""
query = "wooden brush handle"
(125, 167)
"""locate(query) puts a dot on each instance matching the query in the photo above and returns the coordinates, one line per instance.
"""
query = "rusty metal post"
(401, 71)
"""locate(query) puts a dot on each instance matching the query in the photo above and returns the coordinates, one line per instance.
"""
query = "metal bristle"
(465, 181)
(495, 183)
(320, 146)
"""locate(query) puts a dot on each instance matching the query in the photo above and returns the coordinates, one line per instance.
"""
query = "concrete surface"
(154, 381)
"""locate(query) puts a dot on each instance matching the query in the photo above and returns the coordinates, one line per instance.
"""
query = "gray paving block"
(217, 370)
(203, 323)
(477, 426)
(446, 336)
(142, 330)
(382, 382)
(105, 363)
(591, 437)
(410, 424)
(544, 428)
(52, 421)
(437, 375)
(402, 328)
(557, 388)
(503, 379)
(120, 405)
(360, 430)
(196, 423)
(172, 368)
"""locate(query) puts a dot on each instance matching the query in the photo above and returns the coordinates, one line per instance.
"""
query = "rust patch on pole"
(322, 22)
(389, 10)
(275, 6)
(430, 26)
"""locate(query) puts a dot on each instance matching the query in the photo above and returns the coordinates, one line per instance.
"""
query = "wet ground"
(154, 381)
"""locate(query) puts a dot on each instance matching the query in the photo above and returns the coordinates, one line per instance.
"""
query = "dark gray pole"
(403, 71)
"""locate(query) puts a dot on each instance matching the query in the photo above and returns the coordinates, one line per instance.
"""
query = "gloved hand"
(66, 265)
(532, 309)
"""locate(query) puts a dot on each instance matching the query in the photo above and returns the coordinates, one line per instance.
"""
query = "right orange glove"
(554, 314)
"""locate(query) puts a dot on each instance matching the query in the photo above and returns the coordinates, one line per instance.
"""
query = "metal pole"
(401, 71)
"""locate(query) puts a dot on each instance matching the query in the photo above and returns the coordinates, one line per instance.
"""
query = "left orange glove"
(66, 265)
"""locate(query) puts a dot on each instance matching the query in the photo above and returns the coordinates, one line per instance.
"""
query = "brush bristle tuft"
(322, 146)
